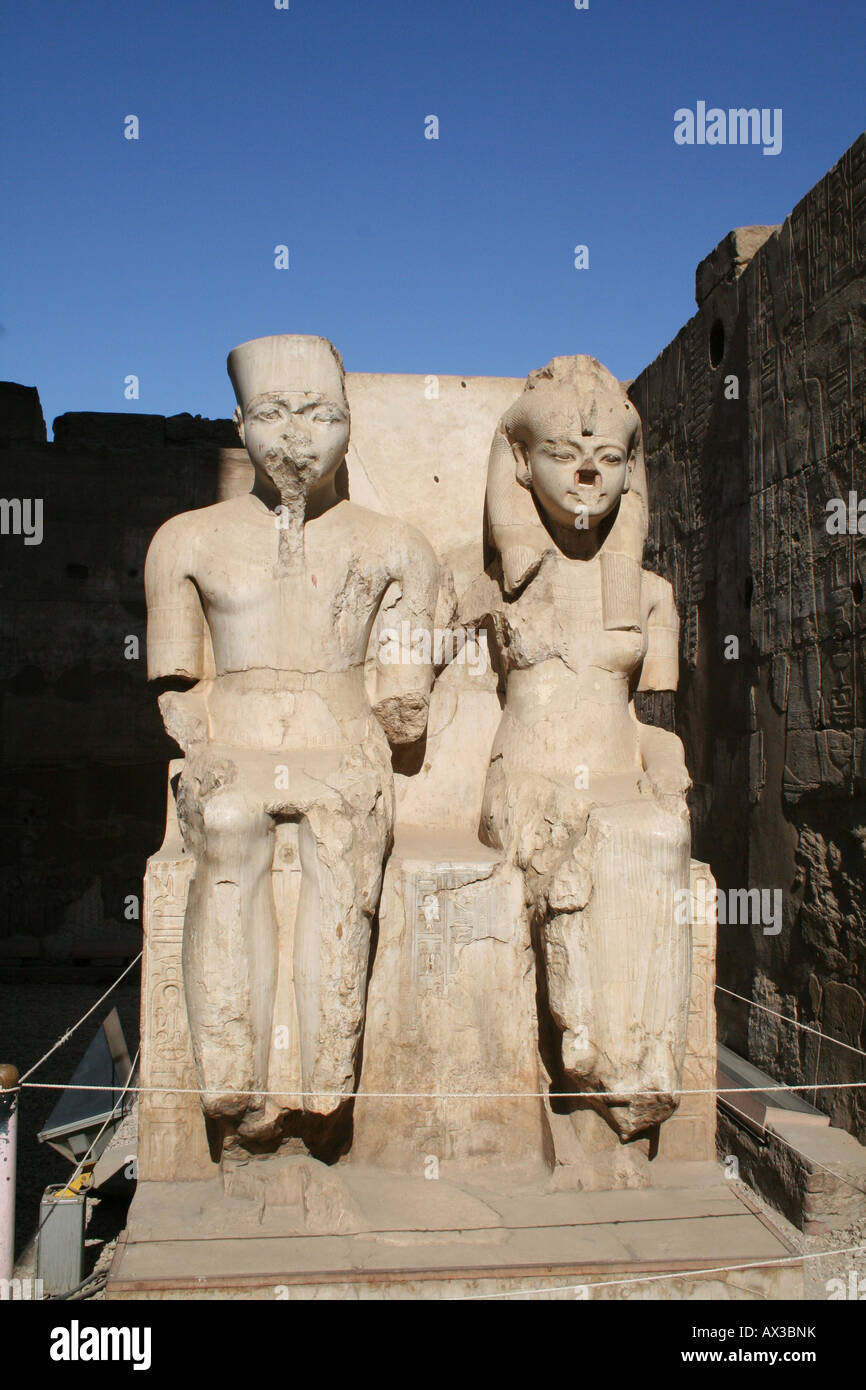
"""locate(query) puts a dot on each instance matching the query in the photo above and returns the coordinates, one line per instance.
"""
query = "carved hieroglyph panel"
(451, 1020)
(691, 1131)
(446, 914)
(172, 1142)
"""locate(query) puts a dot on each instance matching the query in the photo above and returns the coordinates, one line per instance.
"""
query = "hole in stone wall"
(717, 343)
(857, 591)
(77, 571)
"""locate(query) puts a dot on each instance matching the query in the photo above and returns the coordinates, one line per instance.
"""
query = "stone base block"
(814, 1175)
(350, 1232)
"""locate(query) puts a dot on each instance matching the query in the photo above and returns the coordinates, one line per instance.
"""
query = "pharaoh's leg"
(229, 937)
(342, 853)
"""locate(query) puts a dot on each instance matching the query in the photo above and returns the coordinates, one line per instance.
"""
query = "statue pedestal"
(353, 1232)
(462, 1179)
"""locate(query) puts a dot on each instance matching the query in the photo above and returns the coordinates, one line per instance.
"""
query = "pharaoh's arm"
(179, 651)
(402, 685)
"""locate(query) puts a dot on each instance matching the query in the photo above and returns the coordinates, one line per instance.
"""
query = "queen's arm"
(661, 665)
(661, 751)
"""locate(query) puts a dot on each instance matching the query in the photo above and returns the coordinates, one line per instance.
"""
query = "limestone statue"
(261, 609)
(589, 802)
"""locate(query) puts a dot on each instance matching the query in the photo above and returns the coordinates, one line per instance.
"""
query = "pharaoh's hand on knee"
(184, 714)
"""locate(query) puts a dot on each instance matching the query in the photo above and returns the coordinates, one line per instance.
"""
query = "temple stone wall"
(775, 739)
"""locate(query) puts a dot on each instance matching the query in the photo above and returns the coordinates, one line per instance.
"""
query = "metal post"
(9, 1094)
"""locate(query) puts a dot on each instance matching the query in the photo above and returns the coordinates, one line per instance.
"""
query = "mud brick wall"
(84, 754)
(776, 739)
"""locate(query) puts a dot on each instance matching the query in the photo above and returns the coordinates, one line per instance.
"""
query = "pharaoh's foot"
(226, 1105)
(326, 1103)
(261, 1123)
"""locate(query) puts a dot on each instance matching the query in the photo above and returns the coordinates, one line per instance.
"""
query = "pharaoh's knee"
(227, 823)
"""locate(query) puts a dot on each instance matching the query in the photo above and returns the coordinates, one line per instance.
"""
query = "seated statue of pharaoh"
(264, 605)
(586, 800)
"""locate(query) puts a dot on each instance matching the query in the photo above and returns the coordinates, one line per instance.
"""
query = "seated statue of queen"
(261, 610)
(586, 800)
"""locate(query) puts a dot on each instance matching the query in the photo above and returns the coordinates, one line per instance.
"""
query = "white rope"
(659, 1278)
(441, 1095)
(805, 1027)
(118, 1106)
(68, 1034)
(445, 1095)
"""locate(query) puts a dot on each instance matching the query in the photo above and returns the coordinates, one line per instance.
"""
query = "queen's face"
(298, 439)
(577, 478)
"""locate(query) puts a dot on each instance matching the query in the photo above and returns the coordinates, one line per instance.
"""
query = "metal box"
(60, 1242)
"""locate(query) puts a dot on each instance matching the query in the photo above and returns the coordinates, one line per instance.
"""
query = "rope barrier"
(793, 1021)
(440, 1095)
(68, 1034)
(449, 1095)
(577, 1095)
(128, 1089)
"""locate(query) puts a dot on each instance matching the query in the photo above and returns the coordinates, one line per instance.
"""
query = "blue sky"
(305, 127)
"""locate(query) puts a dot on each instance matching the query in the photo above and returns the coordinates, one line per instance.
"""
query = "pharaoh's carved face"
(577, 478)
(298, 439)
